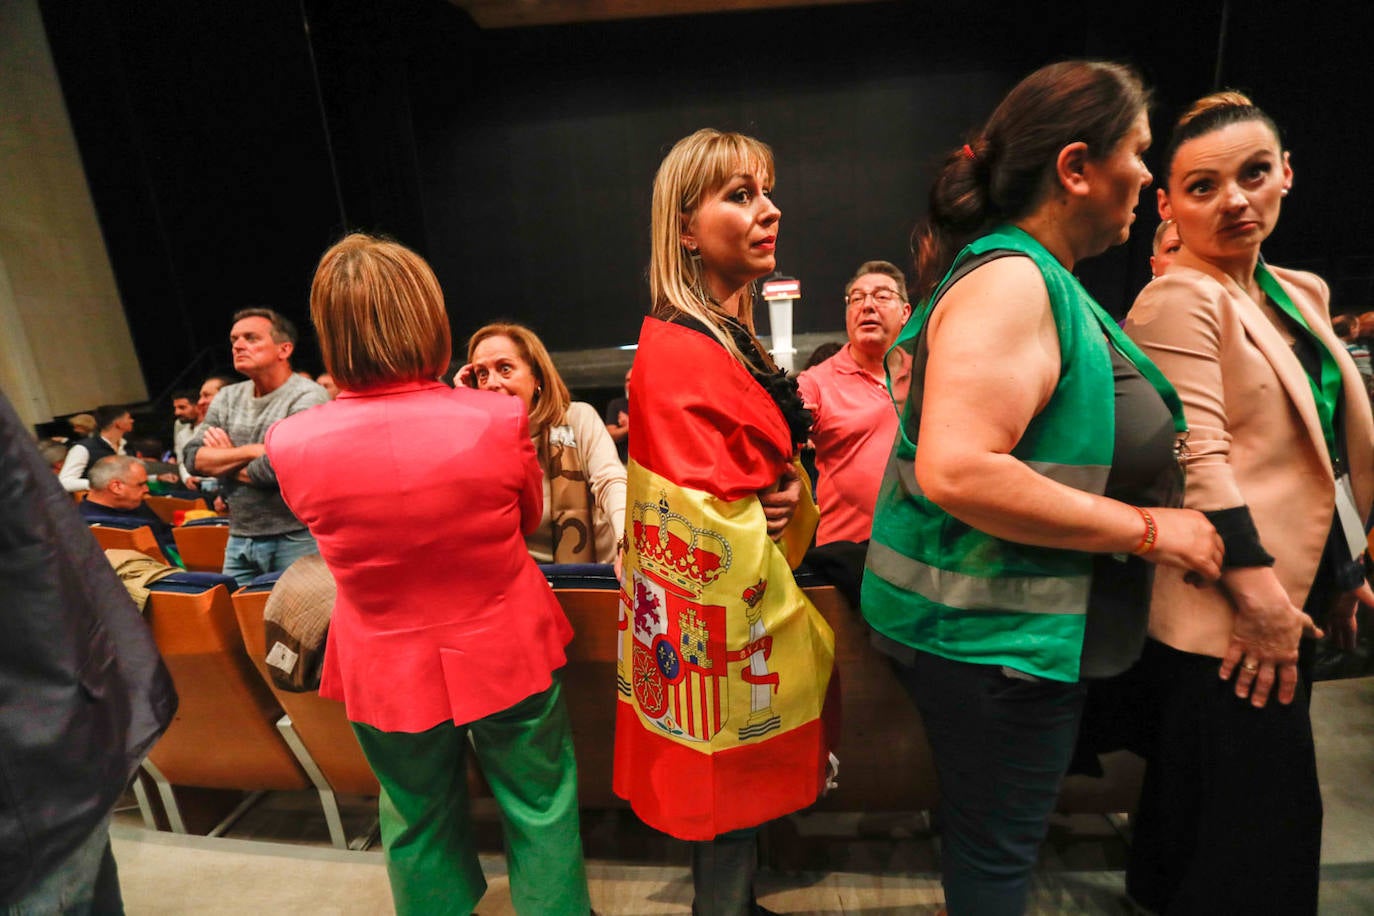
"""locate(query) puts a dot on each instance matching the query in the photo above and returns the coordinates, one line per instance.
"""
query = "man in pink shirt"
(854, 419)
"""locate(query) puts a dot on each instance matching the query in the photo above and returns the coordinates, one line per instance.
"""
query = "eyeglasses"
(884, 295)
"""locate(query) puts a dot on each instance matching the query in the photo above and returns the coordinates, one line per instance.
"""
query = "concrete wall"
(64, 342)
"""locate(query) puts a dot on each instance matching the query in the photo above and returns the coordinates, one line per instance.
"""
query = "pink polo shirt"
(854, 423)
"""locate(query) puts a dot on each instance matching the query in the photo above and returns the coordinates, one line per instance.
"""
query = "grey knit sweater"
(256, 508)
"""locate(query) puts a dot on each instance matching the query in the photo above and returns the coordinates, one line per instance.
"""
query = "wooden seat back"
(224, 735)
(166, 507)
(202, 546)
(141, 539)
(321, 724)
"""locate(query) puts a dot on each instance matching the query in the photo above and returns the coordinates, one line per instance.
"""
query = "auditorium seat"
(224, 734)
(201, 543)
(167, 507)
(315, 728)
(140, 538)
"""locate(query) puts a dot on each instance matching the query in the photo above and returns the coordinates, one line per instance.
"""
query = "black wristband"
(1238, 534)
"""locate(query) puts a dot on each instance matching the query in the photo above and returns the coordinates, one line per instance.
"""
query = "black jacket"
(83, 691)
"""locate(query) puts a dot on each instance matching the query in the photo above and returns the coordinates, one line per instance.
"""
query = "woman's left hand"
(780, 501)
(1341, 623)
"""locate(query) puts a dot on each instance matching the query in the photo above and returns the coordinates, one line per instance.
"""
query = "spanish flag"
(723, 664)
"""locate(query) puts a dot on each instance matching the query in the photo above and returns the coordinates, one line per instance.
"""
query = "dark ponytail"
(999, 175)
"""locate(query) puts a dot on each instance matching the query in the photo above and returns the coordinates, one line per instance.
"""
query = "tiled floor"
(278, 859)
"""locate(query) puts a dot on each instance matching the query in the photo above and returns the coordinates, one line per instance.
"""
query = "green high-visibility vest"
(936, 584)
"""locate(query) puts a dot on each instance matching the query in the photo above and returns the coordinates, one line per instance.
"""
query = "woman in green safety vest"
(1032, 482)
(1281, 459)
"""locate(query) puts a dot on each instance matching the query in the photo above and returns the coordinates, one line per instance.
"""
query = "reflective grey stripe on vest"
(1026, 594)
(1090, 478)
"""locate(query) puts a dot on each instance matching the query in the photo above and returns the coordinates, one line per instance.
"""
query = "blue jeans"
(86, 882)
(247, 558)
(1001, 745)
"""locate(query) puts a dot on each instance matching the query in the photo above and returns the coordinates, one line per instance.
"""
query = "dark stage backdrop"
(227, 145)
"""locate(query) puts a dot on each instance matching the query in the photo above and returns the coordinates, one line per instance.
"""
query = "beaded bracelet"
(1147, 540)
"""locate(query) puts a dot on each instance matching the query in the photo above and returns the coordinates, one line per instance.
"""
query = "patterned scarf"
(570, 497)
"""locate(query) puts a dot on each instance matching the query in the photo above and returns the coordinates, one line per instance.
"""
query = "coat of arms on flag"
(679, 665)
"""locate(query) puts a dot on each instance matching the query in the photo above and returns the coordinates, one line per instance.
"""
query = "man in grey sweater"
(263, 534)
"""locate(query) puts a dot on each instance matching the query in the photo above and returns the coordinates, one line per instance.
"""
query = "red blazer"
(420, 497)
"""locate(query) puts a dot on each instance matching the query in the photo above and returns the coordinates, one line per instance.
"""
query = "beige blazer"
(1254, 436)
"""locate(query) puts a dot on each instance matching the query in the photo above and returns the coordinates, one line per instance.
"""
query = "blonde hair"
(379, 313)
(696, 166)
(551, 400)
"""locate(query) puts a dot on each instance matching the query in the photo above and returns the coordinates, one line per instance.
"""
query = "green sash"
(1327, 391)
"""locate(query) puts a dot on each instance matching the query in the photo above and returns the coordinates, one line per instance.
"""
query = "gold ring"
(1253, 666)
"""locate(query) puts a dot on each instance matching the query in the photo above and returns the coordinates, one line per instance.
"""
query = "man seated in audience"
(114, 423)
(854, 419)
(118, 485)
(263, 534)
(154, 456)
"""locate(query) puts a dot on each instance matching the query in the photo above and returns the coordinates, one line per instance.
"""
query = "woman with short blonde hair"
(362, 344)
(443, 627)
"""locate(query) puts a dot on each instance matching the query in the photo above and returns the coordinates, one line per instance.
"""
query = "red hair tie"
(968, 152)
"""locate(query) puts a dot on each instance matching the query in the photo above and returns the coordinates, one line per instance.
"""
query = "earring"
(698, 285)
(1283, 193)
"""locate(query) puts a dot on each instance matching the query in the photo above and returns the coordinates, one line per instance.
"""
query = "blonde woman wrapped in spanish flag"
(723, 663)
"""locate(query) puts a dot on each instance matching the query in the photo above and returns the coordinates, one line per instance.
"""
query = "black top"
(96, 448)
(1144, 473)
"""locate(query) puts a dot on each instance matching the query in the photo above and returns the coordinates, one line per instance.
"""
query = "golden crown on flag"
(670, 545)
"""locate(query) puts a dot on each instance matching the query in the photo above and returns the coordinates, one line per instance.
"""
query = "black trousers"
(1001, 744)
(1230, 817)
(723, 872)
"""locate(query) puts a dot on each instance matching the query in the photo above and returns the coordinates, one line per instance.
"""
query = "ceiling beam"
(507, 14)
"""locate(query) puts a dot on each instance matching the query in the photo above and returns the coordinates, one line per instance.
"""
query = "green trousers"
(526, 754)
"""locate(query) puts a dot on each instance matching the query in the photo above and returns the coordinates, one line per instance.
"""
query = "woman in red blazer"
(1281, 459)
(420, 496)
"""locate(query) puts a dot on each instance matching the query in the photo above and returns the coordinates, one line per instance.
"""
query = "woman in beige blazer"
(1281, 452)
